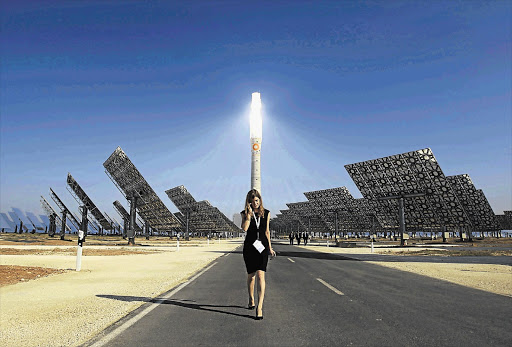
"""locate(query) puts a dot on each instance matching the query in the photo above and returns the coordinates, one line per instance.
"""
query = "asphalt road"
(316, 299)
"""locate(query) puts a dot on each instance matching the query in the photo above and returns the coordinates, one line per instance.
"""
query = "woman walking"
(257, 247)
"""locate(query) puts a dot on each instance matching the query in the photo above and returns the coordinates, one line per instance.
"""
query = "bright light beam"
(256, 135)
(256, 123)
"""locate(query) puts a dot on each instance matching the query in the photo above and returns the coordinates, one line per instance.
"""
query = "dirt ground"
(11, 274)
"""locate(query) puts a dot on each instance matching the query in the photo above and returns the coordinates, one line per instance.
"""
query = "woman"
(255, 221)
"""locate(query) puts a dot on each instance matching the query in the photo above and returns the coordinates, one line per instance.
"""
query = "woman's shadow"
(182, 303)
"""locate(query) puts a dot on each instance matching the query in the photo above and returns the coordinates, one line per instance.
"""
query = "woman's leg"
(261, 291)
(250, 287)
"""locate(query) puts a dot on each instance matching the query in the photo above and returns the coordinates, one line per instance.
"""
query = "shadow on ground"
(304, 254)
(190, 304)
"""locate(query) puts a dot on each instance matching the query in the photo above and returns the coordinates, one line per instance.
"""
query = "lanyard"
(257, 220)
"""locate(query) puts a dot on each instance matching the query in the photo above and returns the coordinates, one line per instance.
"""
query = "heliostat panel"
(307, 216)
(202, 215)
(474, 203)
(409, 173)
(327, 202)
(131, 183)
(49, 211)
(80, 195)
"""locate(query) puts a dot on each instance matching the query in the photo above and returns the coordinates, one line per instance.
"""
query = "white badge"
(259, 246)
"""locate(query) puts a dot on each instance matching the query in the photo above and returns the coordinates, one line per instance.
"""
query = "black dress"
(253, 259)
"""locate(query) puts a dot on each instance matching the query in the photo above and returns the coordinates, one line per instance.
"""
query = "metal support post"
(187, 235)
(133, 215)
(125, 228)
(83, 224)
(402, 221)
(63, 228)
(336, 225)
(373, 229)
(51, 231)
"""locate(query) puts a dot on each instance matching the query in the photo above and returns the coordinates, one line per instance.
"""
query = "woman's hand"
(272, 253)
(248, 213)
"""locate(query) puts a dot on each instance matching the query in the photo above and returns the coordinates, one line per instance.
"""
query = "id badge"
(259, 246)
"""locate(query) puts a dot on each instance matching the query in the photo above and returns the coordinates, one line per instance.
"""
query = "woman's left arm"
(267, 234)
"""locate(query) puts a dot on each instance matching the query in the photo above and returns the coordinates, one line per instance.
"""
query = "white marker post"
(177, 243)
(79, 250)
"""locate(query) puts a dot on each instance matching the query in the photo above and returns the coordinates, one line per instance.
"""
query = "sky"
(170, 82)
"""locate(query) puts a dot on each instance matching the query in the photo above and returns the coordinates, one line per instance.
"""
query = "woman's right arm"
(245, 221)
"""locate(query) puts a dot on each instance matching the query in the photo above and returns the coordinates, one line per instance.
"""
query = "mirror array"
(82, 198)
(505, 220)
(27, 223)
(125, 215)
(150, 210)
(72, 218)
(35, 221)
(305, 214)
(132, 185)
(432, 201)
(51, 212)
(202, 216)
(474, 202)
(6, 222)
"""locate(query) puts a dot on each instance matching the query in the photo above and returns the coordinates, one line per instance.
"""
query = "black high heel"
(259, 317)
(250, 307)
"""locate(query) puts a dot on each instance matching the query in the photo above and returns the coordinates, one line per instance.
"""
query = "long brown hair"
(253, 193)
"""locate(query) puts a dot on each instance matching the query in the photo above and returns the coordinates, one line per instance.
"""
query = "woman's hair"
(253, 193)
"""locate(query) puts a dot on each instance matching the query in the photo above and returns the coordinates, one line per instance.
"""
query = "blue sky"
(171, 82)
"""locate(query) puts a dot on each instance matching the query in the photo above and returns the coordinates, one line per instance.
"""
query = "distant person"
(297, 236)
(291, 238)
(306, 238)
(255, 222)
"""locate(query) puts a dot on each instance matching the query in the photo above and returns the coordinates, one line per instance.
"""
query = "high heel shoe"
(259, 317)
(250, 307)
